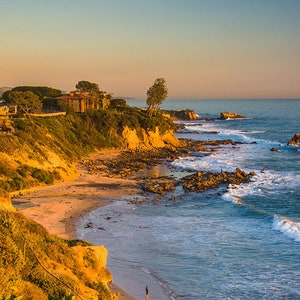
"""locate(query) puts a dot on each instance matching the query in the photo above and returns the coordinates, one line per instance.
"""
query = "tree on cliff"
(95, 94)
(89, 87)
(27, 102)
(156, 94)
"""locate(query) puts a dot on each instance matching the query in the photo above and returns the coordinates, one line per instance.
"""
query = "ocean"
(237, 243)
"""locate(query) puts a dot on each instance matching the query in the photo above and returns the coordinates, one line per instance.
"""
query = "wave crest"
(288, 227)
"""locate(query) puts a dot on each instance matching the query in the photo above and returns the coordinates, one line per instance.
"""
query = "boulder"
(295, 141)
(228, 115)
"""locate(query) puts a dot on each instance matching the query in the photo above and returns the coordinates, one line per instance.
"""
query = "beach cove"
(58, 207)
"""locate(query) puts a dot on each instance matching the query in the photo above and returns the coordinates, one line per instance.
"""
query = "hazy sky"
(203, 48)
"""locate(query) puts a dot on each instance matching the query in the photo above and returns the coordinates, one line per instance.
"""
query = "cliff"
(37, 265)
(148, 139)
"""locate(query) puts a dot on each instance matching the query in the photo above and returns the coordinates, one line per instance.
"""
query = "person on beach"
(147, 292)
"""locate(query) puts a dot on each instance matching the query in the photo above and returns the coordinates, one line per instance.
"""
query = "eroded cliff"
(37, 265)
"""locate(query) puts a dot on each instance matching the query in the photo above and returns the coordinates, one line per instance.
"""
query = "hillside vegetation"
(35, 265)
(44, 150)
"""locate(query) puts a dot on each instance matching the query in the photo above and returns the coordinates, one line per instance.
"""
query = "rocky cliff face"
(37, 265)
(148, 139)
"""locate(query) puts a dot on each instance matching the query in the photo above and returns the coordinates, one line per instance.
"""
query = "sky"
(203, 48)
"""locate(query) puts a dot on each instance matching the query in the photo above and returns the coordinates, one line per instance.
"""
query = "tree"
(86, 86)
(156, 94)
(41, 91)
(28, 102)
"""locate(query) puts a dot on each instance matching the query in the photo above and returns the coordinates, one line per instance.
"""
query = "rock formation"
(295, 141)
(203, 181)
(159, 185)
(187, 114)
(228, 115)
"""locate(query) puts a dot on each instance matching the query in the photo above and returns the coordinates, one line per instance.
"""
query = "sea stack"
(225, 115)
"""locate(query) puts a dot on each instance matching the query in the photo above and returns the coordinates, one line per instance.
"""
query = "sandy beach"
(58, 207)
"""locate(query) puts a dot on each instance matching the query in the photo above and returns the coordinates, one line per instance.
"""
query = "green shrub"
(117, 102)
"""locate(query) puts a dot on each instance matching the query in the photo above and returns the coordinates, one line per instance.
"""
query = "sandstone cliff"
(35, 265)
(148, 139)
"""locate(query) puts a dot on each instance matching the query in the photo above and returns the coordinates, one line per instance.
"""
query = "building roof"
(74, 96)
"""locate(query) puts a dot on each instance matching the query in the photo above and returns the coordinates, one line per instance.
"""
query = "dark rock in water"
(203, 181)
(228, 115)
(295, 141)
(274, 149)
(89, 225)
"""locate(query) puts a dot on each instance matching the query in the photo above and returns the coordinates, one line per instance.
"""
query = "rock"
(295, 141)
(228, 115)
(159, 185)
(187, 114)
(203, 181)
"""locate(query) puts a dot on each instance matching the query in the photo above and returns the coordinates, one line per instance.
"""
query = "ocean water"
(237, 243)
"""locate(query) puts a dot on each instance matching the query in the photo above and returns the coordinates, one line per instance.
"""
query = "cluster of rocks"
(203, 181)
(134, 164)
(93, 166)
(130, 161)
(159, 185)
(197, 182)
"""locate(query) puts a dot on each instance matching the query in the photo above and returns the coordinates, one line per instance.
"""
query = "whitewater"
(240, 242)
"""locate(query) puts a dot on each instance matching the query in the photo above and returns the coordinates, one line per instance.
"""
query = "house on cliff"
(6, 111)
(81, 102)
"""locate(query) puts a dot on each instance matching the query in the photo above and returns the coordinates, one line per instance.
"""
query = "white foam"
(227, 158)
(267, 183)
(288, 227)
(225, 133)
